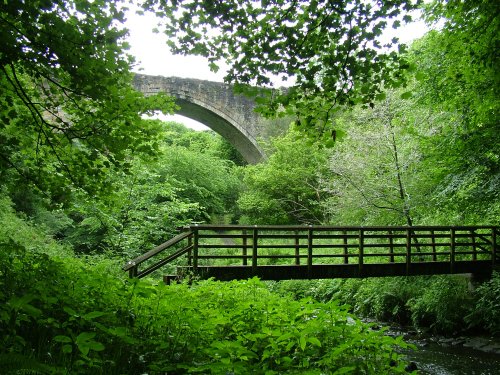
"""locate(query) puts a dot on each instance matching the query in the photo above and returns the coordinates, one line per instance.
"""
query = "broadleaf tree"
(331, 50)
(68, 112)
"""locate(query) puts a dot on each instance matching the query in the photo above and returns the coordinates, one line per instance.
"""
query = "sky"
(154, 58)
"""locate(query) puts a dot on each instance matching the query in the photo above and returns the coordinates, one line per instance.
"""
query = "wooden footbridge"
(318, 252)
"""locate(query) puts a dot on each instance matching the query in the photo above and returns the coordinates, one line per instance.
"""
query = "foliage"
(447, 158)
(68, 113)
(472, 25)
(206, 142)
(374, 167)
(202, 178)
(181, 184)
(463, 154)
(286, 188)
(441, 304)
(321, 290)
(85, 318)
(332, 50)
(486, 313)
(383, 299)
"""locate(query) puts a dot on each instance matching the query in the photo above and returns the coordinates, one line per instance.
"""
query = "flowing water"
(435, 359)
(453, 356)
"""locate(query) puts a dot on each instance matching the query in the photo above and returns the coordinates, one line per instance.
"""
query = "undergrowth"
(446, 304)
(60, 314)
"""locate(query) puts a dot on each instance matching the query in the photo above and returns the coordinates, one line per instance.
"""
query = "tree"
(459, 83)
(68, 113)
(286, 189)
(375, 167)
(446, 133)
(331, 49)
(183, 183)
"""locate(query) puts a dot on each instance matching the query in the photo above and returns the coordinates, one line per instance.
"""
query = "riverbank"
(449, 355)
(456, 356)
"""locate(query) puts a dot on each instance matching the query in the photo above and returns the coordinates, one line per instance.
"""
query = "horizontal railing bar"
(224, 235)
(381, 236)
(135, 262)
(332, 246)
(224, 256)
(162, 262)
(224, 246)
(338, 255)
(338, 228)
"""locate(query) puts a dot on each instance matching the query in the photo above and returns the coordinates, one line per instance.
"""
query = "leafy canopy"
(68, 112)
(332, 49)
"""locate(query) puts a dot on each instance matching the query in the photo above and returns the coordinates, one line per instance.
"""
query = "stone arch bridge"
(216, 105)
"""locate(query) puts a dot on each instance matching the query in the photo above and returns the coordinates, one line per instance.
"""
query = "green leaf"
(314, 341)
(70, 311)
(213, 67)
(420, 76)
(406, 95)
(84, 337)
(62, 338)
(93, 315)
(302, 342)
(96, 346)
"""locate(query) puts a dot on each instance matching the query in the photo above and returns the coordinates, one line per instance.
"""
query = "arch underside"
(246, 145)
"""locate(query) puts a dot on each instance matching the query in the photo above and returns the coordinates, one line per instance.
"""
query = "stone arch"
(215, 105)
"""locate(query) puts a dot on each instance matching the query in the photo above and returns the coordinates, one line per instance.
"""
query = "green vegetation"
(286, 189)
(401, 135)
(56, 317)
(437, 304)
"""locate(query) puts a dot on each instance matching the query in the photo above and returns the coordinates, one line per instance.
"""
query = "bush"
(77, 319)
(384, 299)
(486, 312)
(319, 290)
(438, 303)
(63, 314)
(442, 304)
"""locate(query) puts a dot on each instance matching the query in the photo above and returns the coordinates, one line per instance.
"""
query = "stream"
(436, 355)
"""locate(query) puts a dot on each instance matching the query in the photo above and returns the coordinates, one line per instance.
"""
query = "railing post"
(473, 240)
(190, 251)
(408, 250)
(391, 247)
(297, 248)
(244, 249)
(309, 249)
(346, 248)
(433, 243)
(361, 251)
(255, 236)
(195, 248)
(133, 272)
(494, 246)
(452, 250)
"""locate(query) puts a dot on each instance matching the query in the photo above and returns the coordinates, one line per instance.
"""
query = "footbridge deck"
(316, 252)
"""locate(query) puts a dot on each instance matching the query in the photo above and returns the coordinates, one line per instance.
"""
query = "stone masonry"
(215, 105)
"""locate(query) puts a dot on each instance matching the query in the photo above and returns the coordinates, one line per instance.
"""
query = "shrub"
(63, 314)
(442, 304)
(486, 311)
